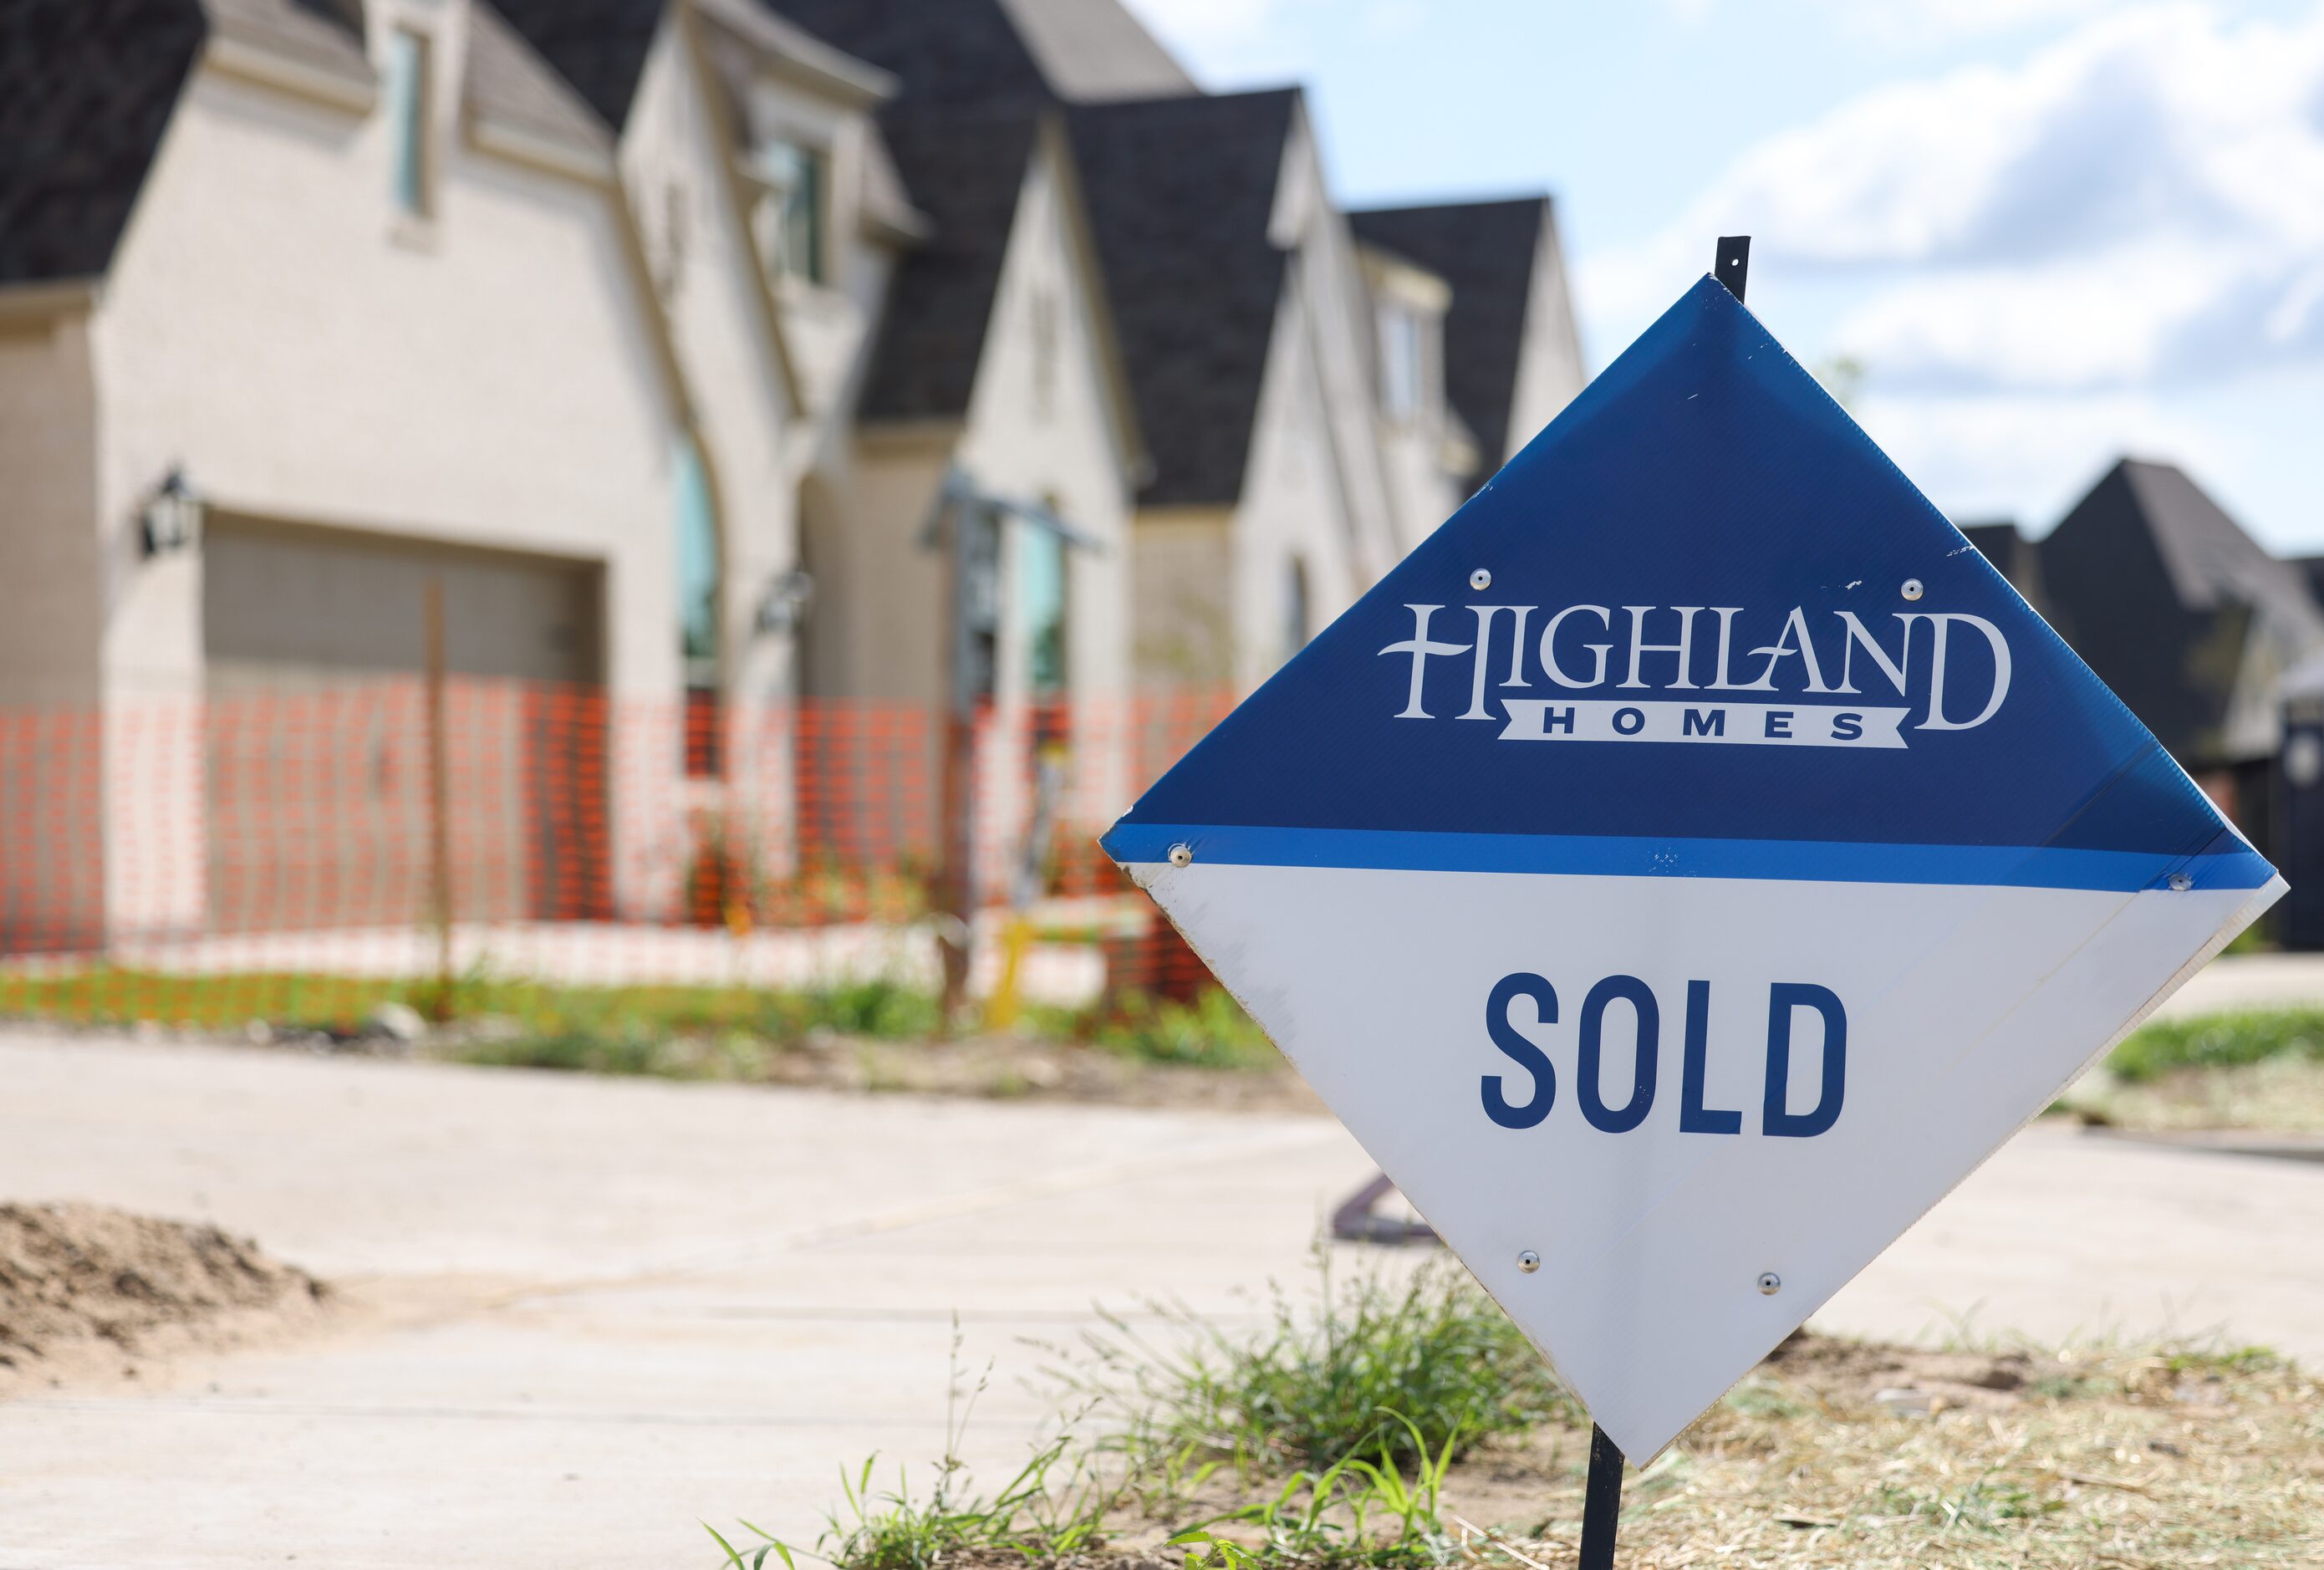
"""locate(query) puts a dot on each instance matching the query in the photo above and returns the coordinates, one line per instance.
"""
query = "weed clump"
(1212, 1032)
(1399, 1370)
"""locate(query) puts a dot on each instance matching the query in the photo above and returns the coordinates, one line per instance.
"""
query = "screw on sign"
(1679, 907)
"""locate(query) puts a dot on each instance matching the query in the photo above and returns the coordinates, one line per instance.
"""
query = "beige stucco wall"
(883, 618)
(51, 887)
(1327, 291)
(1549, 364)
(1182, 618)
(1294, 508)
(1319, 485)
(491, 377)
(51, 612)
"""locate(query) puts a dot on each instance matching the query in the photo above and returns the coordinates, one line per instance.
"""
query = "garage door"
(317, 761)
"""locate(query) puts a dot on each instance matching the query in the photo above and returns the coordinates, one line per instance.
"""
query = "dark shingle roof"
(990, 53)
(507, 80)
(86, 91)
(2014, 557)
(1180, 192)
(1486, 251)
(965, 168)
(599, 46)
(87, 88)
(2160, 591)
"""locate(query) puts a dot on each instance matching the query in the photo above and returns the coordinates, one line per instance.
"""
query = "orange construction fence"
(381, 825)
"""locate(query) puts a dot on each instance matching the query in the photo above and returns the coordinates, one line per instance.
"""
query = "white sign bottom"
(1667, 1087)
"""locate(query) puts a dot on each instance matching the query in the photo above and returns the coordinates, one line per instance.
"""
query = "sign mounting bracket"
(1732, 264)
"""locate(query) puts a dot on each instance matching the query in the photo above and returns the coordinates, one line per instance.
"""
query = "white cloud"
(1925, 21)
(2140, 203)
(1203, 25)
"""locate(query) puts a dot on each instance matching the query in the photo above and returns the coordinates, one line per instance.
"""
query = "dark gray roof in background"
(942, 53)
(86, 91)
(2014, 557)
(87, 87)
(1180, 192)
(1094, 52)
(965, 168)
(990, 53)
(599, 46)
(1486, 251)
(2210, 560)
(2159, 591)
(507, 80)
(327, 35)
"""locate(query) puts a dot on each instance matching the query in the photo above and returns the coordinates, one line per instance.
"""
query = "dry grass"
(1832, 1454)
(2115, 1457)
(2128, 1459)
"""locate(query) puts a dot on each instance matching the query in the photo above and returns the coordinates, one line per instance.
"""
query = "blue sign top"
(1700, 624)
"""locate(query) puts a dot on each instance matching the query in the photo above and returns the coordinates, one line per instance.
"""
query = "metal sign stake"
(1602, 1502)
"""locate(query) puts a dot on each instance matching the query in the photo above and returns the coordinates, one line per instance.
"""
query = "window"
(407, 109)
(697, 607)
(1399, 353)
(1296, 628)
(1041, 599)
(791, 214)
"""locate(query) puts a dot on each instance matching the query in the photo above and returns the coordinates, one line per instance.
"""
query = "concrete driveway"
(589, 1313)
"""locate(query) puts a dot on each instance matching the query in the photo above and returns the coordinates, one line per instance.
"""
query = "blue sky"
(2049, 231)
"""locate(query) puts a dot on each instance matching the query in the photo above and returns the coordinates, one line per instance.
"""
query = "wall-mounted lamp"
(785, 603)
(172, 518)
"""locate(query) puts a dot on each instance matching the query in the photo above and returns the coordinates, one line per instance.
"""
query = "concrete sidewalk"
(591, 1312)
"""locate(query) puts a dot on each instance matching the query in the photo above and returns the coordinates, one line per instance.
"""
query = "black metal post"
(1602, 1502)
(1732, 265)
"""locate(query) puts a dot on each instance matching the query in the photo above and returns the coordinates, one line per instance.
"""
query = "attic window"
(791, 215)
(1399, 360)
(407, 106)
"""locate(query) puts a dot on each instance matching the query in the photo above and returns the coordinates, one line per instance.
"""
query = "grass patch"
(1211, 1032)
(677, 1031)
(1392, 1371)
(2147, 1457)
(2218, 1041)
(1054, 1508)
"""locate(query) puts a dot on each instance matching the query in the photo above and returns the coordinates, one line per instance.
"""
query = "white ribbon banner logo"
(1767, 725)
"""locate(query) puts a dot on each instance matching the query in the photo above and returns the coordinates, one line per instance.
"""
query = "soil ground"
(623, 1306)
(88, 1292)
(1876, 1456)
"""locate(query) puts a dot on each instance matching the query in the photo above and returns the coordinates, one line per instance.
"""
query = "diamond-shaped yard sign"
(1687, 866)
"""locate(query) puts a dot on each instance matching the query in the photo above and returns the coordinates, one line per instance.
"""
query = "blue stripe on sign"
(2228, 864)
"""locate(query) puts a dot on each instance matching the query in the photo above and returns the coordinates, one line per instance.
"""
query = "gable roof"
(2014, 557)
(508, 81)
(1094, 52)
(87, 87)
(1180, 194)
(86, 91)
(991, 52)
(2160, 591)
(965, 169)
(598, 46)
(1487, 251)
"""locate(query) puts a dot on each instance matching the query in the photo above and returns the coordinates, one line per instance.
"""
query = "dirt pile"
(86, 1290)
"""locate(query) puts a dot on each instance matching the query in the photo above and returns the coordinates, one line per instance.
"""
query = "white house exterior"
(376, 298)
(669, 340)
